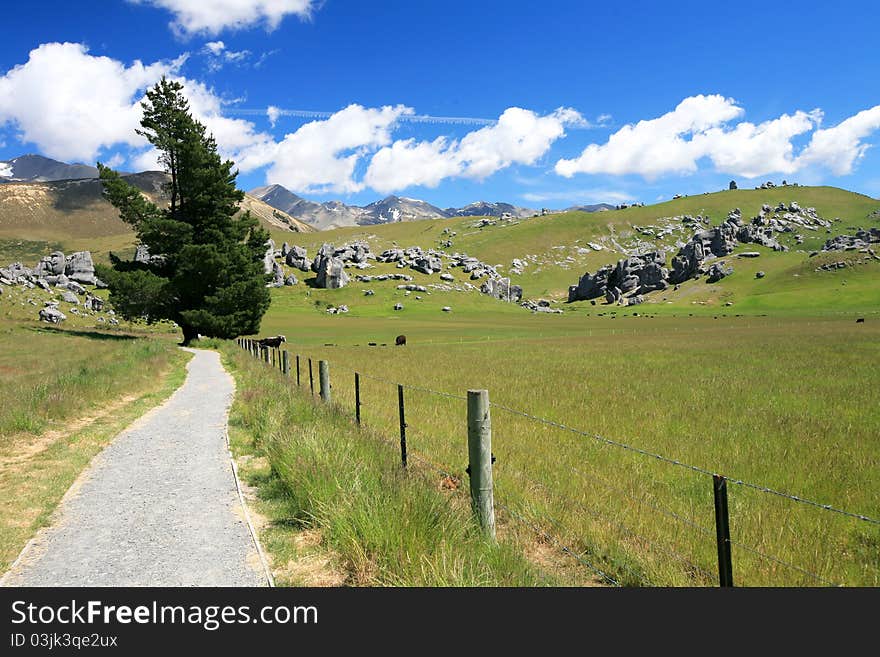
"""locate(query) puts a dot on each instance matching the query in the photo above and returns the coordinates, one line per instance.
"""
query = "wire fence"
(694, 562)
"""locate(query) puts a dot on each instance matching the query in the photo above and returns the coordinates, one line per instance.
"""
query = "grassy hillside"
(559, 243)
(72, 215)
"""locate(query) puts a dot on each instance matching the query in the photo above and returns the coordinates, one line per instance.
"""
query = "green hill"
(556, 248)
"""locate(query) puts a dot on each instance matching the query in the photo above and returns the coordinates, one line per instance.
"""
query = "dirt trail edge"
(158, 507)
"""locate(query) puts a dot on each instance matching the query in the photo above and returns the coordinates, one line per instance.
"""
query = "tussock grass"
(382, 526)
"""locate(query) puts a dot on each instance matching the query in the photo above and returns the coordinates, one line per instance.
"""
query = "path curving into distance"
(158, 507)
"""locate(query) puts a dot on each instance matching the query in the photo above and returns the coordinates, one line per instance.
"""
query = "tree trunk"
(189, 334)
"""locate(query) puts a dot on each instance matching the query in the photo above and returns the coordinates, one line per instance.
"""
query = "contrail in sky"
(412, 118)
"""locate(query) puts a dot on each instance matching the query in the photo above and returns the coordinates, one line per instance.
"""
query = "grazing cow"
(274, 341)
(860, 320)
(400, 341)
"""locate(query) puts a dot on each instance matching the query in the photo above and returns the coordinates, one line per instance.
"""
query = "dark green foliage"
(209, 274)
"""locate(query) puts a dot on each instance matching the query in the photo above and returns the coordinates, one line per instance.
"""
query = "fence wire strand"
(783, 563)
(641, 500)
(694, 468)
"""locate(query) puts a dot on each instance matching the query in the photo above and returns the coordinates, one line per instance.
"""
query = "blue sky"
(580, 102)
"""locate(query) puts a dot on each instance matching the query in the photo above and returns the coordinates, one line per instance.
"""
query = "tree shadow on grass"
(91, 335)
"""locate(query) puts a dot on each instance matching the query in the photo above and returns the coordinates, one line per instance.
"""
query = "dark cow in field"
(860, 320)
(400, 341)
(274, 341)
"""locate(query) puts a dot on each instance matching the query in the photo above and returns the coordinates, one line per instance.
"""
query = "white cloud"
(273, 113)
(72, 104)
(116, 161)
(840, 148)
(147, 160)
(215, 47)
(519, 137)
(218, 55)
(656, 146)
(321, 156)
(699, 127)
(755, 150)
(214, 16)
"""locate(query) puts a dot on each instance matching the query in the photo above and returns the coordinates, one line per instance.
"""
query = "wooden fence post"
(285, 363)
(357, 398)
(480, 460)
(324, 379)
(402, 412)
(722, 531)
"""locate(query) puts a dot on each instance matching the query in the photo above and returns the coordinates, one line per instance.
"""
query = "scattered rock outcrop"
(718, 271)
(501, 288)
(861, 240)
(52, 315)
(329, 269)
(297, 257)
(639, 274)
(80, 268)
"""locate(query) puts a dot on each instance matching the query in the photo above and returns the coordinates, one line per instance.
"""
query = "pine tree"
(206, 266)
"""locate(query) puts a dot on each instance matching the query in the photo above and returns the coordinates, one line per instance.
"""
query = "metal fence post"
(402, 412)
(297, 369)
(480, 460)
(722, 531)
(311, 379)
(324, 379)
(357, 398)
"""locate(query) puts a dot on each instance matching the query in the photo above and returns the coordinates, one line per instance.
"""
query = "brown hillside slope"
(73, 214)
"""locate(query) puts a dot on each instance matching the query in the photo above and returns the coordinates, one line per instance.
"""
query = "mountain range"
(321, 216)
(391, 209)
(36, 168)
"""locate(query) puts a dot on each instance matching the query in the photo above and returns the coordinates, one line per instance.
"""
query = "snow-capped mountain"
(486, 209)
(336, 214)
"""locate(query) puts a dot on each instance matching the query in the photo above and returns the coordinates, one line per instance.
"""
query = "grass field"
(783, 401)
(68, 393)
(338, 510)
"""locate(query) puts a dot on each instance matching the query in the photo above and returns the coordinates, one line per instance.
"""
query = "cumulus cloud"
(72, 104)
(321, 156)
(519, 137)
(840, 148)
(700, 127)
(214, 16)
(754, 150)
(655, 146)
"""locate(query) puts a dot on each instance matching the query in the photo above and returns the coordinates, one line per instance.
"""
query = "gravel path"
(158, 507)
